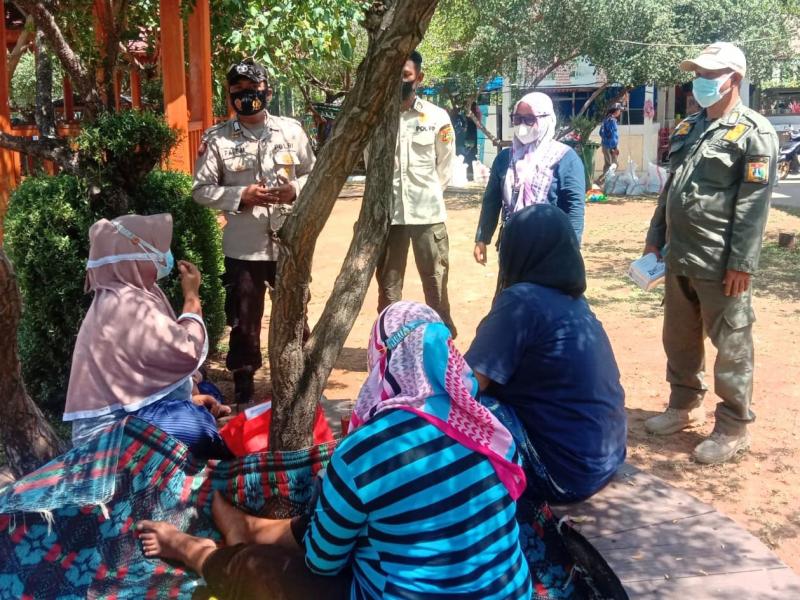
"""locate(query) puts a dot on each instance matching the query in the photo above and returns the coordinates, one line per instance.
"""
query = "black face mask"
(249, 102)
(407, 89)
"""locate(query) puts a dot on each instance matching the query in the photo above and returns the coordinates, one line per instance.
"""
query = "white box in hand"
(647, 272)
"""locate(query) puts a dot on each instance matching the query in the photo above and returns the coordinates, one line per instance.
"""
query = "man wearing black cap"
(252, 167)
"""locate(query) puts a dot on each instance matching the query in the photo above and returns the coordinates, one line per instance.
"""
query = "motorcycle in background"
(789, 156)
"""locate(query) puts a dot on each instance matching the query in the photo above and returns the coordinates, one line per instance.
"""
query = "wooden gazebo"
(187, 95)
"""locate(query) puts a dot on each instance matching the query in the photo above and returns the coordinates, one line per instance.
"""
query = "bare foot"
(234, 525)
(165, 541)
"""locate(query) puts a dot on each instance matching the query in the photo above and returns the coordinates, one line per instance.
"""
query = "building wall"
(638, 143)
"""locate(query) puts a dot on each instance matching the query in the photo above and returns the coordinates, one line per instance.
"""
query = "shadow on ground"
(352, 359)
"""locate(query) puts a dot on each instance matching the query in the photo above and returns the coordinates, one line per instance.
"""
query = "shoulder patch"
(756, 169)
(736, 132)
(446, 134)
(215, 128)
(683, 128)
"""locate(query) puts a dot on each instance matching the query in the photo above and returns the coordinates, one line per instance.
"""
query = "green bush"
(47, 229)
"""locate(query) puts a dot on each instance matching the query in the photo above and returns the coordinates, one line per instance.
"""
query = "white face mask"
(526, 134)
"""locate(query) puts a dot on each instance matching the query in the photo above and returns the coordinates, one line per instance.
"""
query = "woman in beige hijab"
(133, 356)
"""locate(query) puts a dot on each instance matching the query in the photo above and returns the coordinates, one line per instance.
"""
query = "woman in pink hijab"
(537, 169)
(133, 356)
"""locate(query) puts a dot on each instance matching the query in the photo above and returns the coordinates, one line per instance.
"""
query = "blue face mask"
(165, 268)
(707, 91)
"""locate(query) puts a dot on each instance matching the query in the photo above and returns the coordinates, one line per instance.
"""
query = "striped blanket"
(65, 529)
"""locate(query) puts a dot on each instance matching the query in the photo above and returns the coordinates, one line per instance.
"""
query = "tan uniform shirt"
(423, 159)
(233, 159)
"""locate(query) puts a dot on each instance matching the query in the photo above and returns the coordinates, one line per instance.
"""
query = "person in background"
(711, 217)
(133, 356)
(425, 153)
(545, 366)
(418, 501)
(252, 168)
(537, 169)
(609, 139)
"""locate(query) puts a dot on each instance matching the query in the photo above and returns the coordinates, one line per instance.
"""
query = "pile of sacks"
(627, 183)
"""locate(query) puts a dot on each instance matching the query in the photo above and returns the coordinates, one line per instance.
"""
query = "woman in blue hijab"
(545, 365)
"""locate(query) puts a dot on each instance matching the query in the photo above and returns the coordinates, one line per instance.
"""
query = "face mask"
(407, 89)
(706, 91)
(165, 268)
(163, 261)
(249, 102)
(527, 134)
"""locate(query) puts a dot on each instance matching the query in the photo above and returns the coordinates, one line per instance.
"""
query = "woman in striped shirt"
(418, 500)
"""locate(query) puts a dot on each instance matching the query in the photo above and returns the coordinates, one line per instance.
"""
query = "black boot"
(243, 385)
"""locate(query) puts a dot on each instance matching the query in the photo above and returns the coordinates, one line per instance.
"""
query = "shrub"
(47, 229)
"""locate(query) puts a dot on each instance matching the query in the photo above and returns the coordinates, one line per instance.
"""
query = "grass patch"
(779, 272)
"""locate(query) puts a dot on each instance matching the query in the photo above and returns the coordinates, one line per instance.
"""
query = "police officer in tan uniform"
(252, 168)
(423, 160)
(711, 218)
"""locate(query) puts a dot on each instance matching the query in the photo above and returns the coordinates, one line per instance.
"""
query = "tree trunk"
(28, 439)
(45, 113)
(296, 381)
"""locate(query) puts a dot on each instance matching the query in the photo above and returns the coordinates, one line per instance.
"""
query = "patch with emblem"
(422, 117)
(446, 134)
(202, 148)
(756, 169)
(735, 134)
(683, 128)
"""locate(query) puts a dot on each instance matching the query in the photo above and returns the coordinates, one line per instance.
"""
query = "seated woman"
(132, 355)
(537, 169)
(419, 498)
(545, 359)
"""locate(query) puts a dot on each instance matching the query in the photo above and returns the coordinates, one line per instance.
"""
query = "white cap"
(719, 55)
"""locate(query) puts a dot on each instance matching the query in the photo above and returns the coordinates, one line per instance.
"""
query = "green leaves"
(632, 42)
(288, 37)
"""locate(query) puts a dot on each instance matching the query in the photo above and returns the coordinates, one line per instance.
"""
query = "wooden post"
(7, 170)
(69, 107)
(200, 105)
(174, 77)
(136, 87)
(117, 90)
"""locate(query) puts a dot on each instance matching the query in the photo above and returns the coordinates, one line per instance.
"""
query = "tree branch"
(591, 99)
(82, 79)
(552, 67)
(53, 149)
(324, 87)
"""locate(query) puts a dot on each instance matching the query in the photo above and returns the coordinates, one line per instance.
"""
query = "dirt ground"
(758, 490)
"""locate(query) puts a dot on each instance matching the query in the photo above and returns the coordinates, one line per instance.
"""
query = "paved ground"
(788, 192)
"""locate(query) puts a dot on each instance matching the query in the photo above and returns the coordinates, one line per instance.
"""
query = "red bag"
(248, 432)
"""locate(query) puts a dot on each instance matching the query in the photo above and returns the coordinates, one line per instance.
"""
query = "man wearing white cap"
(709, 222)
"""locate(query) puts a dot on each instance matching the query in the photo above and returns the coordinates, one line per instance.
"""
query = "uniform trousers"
(431, 248)
(246, 284)
(693, 309)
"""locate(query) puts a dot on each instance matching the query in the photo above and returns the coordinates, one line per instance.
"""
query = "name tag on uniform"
(757, 169)
(423, 128)
(735, 134)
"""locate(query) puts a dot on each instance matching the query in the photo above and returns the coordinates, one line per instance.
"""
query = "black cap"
(248, 69)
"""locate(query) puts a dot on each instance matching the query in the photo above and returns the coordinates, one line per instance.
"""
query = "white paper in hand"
(647, 272)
